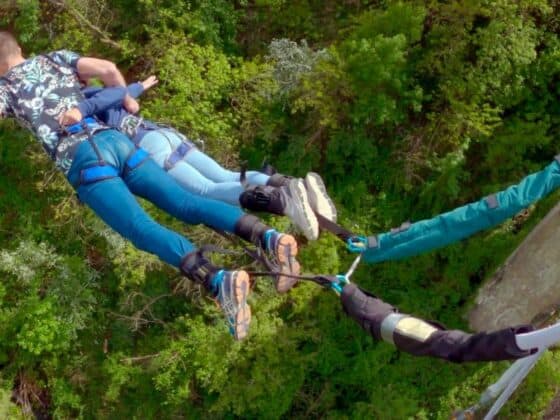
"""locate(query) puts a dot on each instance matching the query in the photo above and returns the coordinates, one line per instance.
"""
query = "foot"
(298, 209)
(284, 248)
(233, 288)
(319, 198)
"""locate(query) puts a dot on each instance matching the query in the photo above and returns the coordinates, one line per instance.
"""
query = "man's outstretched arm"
(103, 100)
(97, 100)
(109, 74)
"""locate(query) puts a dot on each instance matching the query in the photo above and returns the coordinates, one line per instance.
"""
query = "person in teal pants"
(422, 236)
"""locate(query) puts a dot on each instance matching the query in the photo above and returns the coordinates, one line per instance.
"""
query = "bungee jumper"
(198, 173)
(411, 239)
(107, 170)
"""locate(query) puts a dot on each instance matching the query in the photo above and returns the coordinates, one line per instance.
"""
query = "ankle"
(270, 239)
(198, 269)
(278, 180)
(251, 229)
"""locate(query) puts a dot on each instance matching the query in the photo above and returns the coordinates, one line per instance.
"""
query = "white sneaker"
(319, 198)
(299, 210)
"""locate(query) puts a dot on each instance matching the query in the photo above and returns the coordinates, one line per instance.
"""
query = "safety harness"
(131, 124)
(100, 170)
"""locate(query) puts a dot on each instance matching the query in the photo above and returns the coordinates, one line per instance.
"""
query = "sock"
(216, 281)
(270, 239)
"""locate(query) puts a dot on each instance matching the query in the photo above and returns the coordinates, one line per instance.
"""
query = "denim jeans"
(197, 172)
(113, 199)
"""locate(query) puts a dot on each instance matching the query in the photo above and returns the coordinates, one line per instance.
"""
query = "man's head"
(10, 51)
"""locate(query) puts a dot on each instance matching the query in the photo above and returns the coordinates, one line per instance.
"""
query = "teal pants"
(415, 238)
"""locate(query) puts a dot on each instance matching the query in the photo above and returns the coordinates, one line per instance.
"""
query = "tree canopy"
(406, 108)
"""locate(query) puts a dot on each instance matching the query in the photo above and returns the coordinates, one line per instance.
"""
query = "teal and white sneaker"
(232, 289)
(319, 198)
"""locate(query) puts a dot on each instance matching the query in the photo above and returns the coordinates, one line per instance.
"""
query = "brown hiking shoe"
(285, 250)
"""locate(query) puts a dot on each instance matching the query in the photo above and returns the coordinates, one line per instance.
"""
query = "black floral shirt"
(39, 90)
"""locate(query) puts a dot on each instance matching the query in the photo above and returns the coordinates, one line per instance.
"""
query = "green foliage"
(195, 82)
(9, 410)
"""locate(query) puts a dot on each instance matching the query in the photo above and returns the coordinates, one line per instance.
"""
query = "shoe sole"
(287, 250)
(319, 198)
(307, 223)
(241, 288)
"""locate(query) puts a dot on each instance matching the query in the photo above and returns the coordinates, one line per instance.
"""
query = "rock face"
(527, 285)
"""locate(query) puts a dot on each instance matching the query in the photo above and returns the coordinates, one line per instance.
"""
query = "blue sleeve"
(100, 100)
(91, 90)
(135, 89)
(65, 57)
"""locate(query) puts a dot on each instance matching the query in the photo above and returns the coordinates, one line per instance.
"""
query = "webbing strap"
(243, 176)
(136, 158)
(372, 242)
(97, 173)
(272, 269)
(178, 154)
(340, 232)
(403, 227)
(79, 127)
(492, 201)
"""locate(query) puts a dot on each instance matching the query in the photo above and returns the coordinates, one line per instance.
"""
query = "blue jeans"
(197, 172)
(114, 202)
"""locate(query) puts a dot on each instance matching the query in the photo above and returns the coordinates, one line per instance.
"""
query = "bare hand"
(149, 82)
(72, 116)
(130, 104)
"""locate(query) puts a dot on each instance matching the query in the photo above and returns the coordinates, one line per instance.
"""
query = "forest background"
(406, 108)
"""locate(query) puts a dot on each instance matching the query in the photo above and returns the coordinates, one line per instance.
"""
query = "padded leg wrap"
(251, 229)
(197, 268)
(421, 338)
(263, 198)
(278, 180)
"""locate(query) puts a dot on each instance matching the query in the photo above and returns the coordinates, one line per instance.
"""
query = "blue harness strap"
(137, 157)
(97, 173)
(178, 154)
(79, 127)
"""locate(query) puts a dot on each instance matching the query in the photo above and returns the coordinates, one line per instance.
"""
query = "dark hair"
(8, 45)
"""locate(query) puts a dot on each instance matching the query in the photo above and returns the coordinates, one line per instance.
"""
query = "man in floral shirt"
(107, 170)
